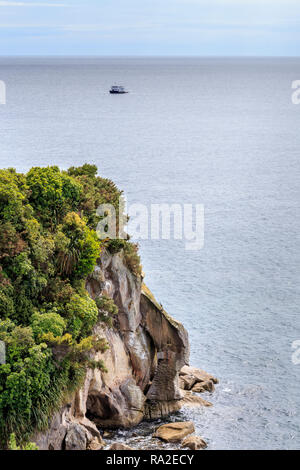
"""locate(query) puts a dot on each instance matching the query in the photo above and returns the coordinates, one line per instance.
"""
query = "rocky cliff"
(147, 350)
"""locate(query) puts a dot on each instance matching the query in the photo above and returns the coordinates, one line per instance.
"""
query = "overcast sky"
(150, 27)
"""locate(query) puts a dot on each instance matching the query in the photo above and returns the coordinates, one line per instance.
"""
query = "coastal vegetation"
(107, 309)
(48, 247)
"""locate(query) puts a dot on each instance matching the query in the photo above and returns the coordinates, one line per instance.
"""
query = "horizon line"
(126, 56)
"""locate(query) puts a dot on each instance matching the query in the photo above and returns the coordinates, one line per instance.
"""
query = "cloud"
(31, 4)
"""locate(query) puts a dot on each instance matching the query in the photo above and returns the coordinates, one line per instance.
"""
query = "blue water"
(218, 132)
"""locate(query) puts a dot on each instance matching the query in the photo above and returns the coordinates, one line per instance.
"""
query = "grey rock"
(77, 437)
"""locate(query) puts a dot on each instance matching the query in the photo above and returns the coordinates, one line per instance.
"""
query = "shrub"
(86, 170)
(47, 323)
(116, 245)
(19, 342)
(96, 191)
(78, 247)
(57, 292)
(11, 242)
(97, 365)
(89, 253)
(107, 309)
(82, 315)
(11, 198)
(53, 193)
(27, 446)
(26, 382)
(91, 342)
(107, 304)
(7, 306)
(132, 258)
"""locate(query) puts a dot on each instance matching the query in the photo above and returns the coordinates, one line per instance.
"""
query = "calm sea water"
(218, 132)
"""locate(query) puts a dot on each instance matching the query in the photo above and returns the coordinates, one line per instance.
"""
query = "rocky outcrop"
(196, 380)
(172, 348)
(148, 350)
(70, 433)
(174, 432)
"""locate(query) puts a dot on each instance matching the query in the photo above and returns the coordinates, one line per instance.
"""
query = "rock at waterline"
(96, 444)
(120, 446)
(197, 380)
(192, 400)
(194, 443)
(200, 375)
(174, 432)
(201, 387)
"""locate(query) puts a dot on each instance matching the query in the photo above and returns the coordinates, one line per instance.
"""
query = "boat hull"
(118, 92)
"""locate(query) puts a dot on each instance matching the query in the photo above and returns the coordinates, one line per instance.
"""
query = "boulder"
(174, 432)
(96, 444)
(198, 374)
(90, 427)
(191, 378)
(77, 437)
(120, 446)
(187, 381)
(194, 443)
(193, 400)
(201, 387)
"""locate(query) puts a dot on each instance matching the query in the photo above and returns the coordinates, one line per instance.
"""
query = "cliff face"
(146, 353)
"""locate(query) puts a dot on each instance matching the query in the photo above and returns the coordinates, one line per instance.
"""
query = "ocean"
(221, 132)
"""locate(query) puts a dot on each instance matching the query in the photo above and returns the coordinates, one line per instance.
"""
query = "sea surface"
(219, 132)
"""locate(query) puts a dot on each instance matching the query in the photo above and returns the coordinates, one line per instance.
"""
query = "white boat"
(117, 90)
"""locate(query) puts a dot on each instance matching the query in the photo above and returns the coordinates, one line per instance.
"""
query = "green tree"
(82, 315)
(50, 322)
(11, 198)
(53, 193)
(78, 247)
(84, 170)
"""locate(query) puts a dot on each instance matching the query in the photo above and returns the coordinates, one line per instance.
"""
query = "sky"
(150, 27)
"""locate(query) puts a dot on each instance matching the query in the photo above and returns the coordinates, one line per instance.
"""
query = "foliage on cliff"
(48, 246)
(107, 309)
